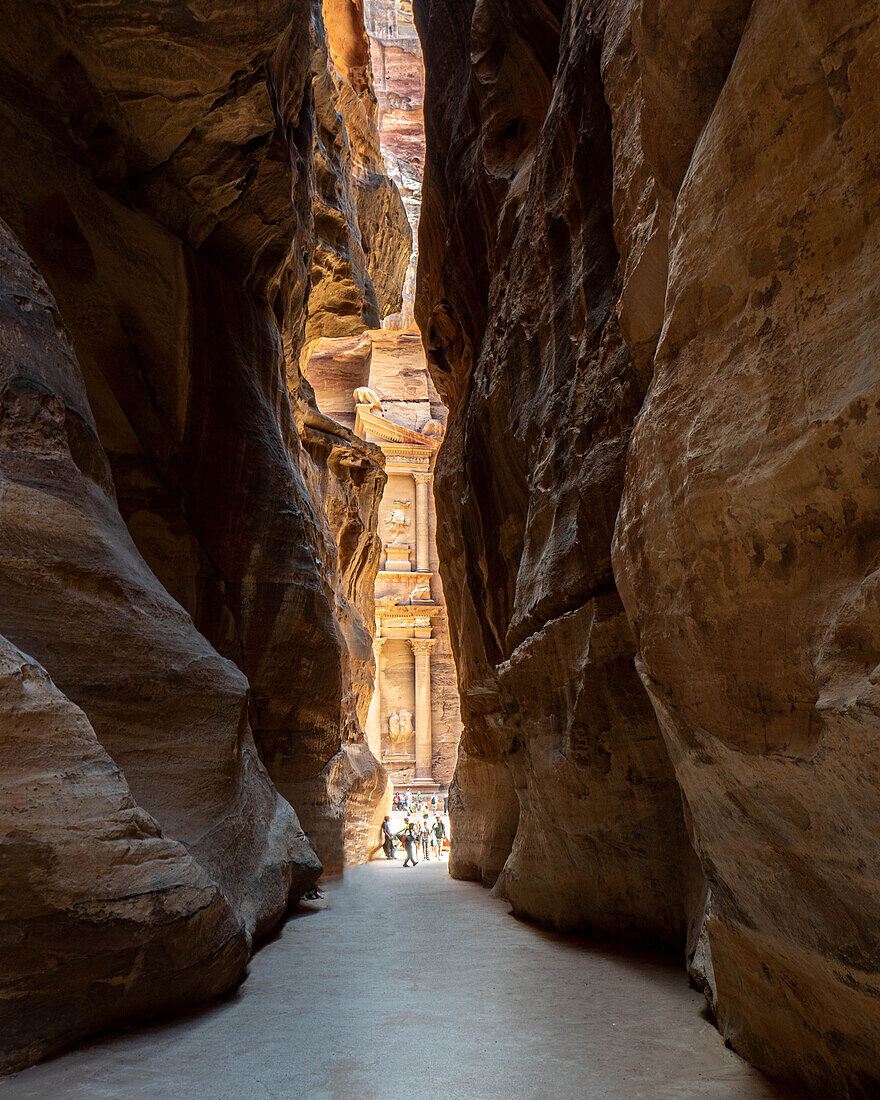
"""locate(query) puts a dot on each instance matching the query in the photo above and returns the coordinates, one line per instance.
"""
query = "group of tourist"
(407, 802)
(420, 838)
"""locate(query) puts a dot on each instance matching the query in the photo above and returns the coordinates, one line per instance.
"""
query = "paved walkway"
(406, 985)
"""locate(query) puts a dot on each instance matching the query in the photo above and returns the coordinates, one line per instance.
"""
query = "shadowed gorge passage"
(412, 406)
(189, 660)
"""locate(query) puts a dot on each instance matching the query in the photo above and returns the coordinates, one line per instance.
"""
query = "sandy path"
(406, 985)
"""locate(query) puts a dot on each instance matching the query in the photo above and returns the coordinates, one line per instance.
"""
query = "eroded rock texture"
(563, 778)
(214, 849)
(363, 238)
(665, 214)
(747, 543)
(342, 806)
(183, 577)
(86, 867)
(399, 80)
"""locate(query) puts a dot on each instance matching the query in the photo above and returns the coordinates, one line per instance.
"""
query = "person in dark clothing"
(387, 838)
(408, 835)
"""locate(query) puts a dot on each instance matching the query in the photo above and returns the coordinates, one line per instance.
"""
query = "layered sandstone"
(86, 867)
(362, 235)
(665, 217)
(136, 797)
(342, 806)
(183, 575)
(563, 779)
(399, 81)
(747, 543)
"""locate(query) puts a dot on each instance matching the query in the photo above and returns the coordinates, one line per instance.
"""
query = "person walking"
(425, 830)
(387, 838)
(439, 831)
(408, 835)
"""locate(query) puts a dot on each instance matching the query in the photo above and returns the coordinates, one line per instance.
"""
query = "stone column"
(374, 718)
(422, 647)
(423, 541)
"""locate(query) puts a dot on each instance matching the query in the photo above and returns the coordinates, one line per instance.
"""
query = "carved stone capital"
(422, 645)
(421, 477)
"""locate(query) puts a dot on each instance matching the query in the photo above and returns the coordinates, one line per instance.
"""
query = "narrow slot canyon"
(439, 497)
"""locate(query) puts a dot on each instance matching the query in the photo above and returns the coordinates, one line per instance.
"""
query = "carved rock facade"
(378, 385)
(648, 257)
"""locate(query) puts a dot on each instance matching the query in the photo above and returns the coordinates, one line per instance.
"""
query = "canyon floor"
(405, 984)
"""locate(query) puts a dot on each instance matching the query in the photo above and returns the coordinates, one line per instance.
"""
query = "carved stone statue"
(400, 730)
(363, 395)
(398, 519)
(420, 593)
(432, 428)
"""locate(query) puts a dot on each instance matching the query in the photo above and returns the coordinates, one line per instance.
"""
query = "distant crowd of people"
(420, 838)
(409, 803)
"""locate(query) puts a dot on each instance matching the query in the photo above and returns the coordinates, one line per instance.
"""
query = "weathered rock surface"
(529, 480)
(747, 541)
(343, 806)
(130, 920)
(399, 82)
(363, 238)
(161, 554)
(665, 215)
(168, 709)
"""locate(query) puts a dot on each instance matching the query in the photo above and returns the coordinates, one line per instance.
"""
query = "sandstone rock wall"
(363, 238)
(342, 806)
(542, 400)
(182, 575)
(747, 541)
(647, 284)
(154, 813)
(399, 80)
